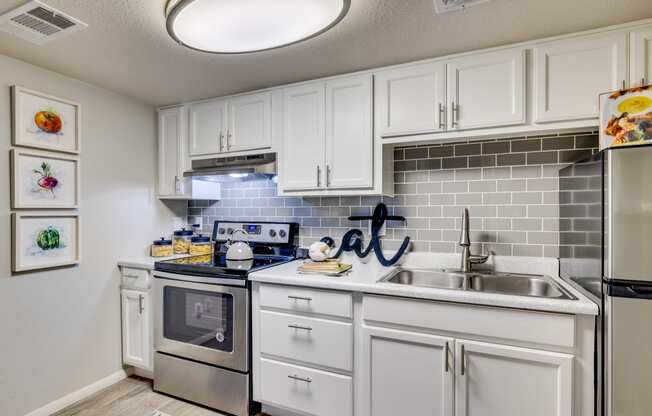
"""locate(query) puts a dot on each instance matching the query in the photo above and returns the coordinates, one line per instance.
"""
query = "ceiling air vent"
(39, 23)
(444, 6)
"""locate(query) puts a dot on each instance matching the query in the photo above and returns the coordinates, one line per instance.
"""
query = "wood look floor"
(132, 397)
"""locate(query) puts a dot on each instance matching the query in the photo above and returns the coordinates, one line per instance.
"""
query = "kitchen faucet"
(468, 259)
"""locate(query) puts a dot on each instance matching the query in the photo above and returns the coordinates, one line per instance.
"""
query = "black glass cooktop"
(217, 265)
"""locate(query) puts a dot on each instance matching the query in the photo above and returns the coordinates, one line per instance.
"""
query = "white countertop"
(146, 262)
(366, 273)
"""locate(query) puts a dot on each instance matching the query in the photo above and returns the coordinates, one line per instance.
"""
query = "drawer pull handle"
(446, 357)
(131, 276)
(296, 377)
(295, 326)
(299, 298)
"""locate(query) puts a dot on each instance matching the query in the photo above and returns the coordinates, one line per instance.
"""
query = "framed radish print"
(44, 180)
(45, 122)
(44, 240)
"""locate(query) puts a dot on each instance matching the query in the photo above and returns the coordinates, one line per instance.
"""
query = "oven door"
(203, 322)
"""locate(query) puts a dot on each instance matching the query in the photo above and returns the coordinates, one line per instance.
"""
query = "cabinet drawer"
(135, 278)
(299, 299)
(510, 324)
(311, 340)
(305, 390)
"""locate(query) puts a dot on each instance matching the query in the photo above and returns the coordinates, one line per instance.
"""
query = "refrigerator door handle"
(629, 291)
(641, 291)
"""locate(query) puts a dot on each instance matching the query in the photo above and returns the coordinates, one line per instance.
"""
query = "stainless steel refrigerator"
(606, 246)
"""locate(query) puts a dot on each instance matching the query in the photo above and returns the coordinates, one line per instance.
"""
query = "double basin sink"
(480, 281)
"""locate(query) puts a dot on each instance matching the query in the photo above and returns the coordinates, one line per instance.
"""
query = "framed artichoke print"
(44, 180)
(44, 240)
(45, 122)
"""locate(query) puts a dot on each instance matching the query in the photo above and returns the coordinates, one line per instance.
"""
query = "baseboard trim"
(80, 394)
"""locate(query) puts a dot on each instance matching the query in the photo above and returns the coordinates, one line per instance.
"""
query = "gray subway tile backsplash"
(509, 185)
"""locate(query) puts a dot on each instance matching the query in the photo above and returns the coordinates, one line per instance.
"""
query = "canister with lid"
(200, 245)
(162, 248)
(181, 241)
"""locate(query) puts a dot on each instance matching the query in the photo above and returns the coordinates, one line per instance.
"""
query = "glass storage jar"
(181, 241)
(162, 248)
(200, 245)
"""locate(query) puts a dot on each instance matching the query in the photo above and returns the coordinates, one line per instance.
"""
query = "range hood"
(226, 169)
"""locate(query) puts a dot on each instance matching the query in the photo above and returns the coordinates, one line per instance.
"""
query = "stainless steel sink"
(488, 282)
(428, 278)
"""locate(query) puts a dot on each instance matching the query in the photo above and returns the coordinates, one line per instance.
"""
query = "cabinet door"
(207, 128)
(406, 373)
(136, 337)
(499, 380)
(349, 137)
(170, 155)
(487, 90)
(249, 122)
(411, 100)
(570, 74)
(304, 137)
(640, 56)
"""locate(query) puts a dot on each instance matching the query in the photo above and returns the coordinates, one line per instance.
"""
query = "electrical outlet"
(178, 223)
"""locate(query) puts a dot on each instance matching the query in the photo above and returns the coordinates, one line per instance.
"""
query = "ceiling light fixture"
(243, 26)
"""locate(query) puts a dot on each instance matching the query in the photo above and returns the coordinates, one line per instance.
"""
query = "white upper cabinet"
(406, 373)
(640, 46)
(499, 380)
(170, 150)
(207, 122)
(349, 133)
(569, 75)
(303, 137)
(249, 122)
(486, 90)
(411, 100)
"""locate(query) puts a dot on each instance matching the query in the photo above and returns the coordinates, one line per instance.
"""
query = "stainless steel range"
(202, 323)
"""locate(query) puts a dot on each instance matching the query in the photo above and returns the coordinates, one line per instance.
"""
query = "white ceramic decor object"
(319, 251)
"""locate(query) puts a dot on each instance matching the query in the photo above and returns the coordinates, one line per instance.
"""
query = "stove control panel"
(255, 232)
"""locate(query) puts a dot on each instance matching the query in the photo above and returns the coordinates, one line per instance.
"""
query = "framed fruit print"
(44, 180)
(626, 117)
(45, 122)
(44, 240)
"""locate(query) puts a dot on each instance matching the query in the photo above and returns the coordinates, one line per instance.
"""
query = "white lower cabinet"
(411, 373)
(406, 373)
(500, 380)
(399, 356)
(303, 347)
(306, 390)
(136, 329)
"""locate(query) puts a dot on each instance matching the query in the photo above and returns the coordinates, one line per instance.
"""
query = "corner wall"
(60, 329)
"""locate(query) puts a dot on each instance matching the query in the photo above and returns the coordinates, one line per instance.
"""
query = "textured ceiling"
(126, 47)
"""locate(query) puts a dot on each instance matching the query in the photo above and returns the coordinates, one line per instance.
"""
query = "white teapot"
(238, 250)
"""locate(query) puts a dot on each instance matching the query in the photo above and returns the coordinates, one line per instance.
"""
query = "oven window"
(198, 317)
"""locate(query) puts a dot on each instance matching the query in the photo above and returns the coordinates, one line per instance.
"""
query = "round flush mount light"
(243, 26)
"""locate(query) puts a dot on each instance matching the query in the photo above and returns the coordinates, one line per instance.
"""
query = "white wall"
(60, 330)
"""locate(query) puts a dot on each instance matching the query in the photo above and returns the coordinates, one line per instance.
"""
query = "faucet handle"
(478, 259)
